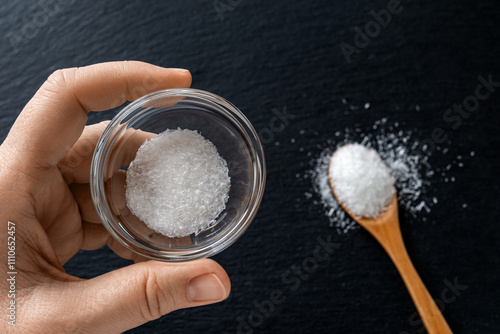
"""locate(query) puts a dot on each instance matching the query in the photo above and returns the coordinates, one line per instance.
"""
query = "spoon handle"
(392, 241)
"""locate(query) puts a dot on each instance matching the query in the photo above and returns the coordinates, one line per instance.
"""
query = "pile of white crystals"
(178, 184)
(399, 151)
(361, 180)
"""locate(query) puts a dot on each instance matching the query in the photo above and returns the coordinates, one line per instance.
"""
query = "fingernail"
(180, 70)
(206, 287)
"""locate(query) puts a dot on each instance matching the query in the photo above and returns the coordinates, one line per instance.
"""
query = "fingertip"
(207, 281)
(186, 78)
(206, 288)
(215, 268)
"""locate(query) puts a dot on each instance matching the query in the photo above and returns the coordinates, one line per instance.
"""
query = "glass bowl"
(215, 119)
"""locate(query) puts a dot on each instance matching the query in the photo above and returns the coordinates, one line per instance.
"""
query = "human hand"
(44, 191)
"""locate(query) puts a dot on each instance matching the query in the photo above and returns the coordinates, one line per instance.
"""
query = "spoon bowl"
(386, 230)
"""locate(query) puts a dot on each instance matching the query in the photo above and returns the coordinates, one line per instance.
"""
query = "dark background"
(262, 55)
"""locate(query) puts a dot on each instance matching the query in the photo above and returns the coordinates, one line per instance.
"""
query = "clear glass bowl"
(215, 119)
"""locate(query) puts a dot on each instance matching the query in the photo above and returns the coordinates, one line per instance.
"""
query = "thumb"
(131, 296)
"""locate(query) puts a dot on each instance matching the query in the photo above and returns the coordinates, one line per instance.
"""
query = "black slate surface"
(262, 55)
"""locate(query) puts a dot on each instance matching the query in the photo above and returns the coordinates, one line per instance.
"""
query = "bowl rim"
(119, 123)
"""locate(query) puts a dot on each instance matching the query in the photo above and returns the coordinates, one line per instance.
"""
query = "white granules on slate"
(178, 184)
(407, 159)
(409, 168)
(361, 180)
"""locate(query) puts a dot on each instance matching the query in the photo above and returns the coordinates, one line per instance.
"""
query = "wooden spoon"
(385, 229)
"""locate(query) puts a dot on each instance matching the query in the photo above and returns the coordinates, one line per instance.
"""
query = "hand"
(44, 191)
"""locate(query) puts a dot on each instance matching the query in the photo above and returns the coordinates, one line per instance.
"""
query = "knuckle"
(60, 79)
(158, 300)
(57, 77)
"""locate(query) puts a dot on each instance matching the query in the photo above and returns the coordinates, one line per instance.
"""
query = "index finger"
(55, 117)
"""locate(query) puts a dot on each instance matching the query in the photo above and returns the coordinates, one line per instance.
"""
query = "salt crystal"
(420, 206)
(330, 213)
(178, 184)
(361, 180)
